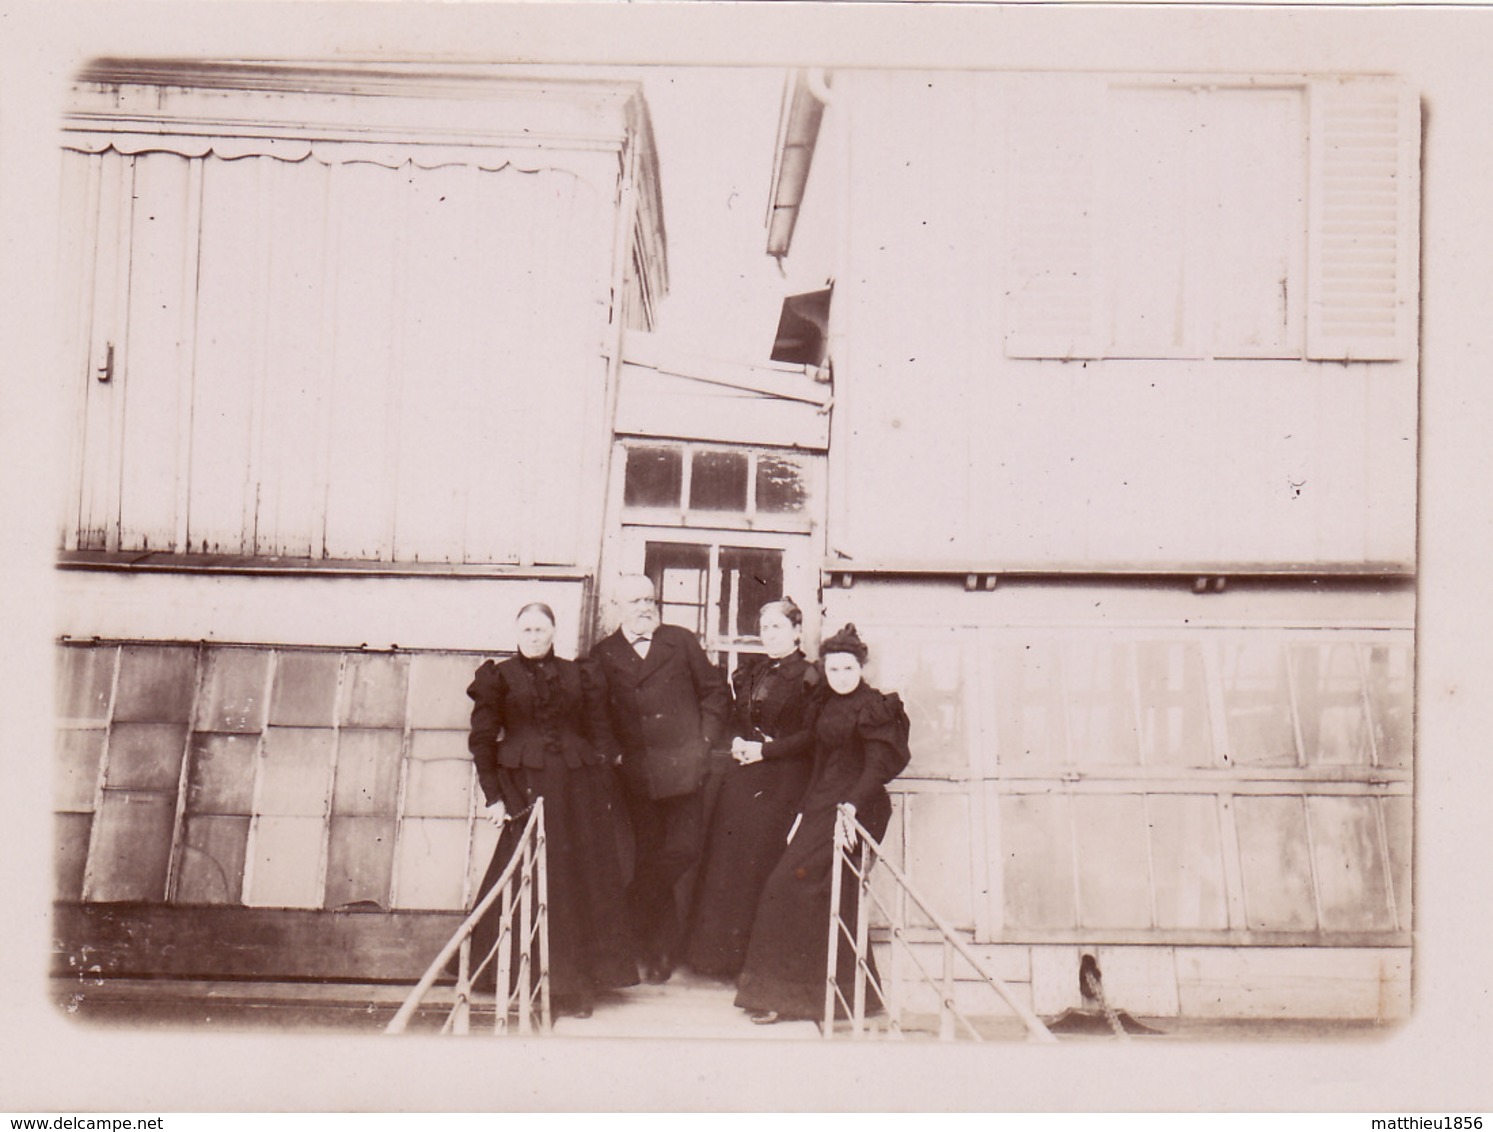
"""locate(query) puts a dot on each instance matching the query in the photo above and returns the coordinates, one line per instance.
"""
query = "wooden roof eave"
(798, 135)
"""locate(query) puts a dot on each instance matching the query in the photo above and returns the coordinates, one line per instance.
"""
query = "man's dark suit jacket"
(666, 710)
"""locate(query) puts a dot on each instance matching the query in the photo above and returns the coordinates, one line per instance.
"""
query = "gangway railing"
(851, 837)
(520, 954)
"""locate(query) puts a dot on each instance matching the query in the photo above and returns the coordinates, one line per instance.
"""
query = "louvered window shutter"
(1363, 241)
(1053, 175)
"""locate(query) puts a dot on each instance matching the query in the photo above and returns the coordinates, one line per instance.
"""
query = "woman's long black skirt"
(785, 968)
(590, 950)
(748, 831)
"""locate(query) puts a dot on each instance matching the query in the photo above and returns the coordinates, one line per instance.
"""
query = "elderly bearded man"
(668, 706)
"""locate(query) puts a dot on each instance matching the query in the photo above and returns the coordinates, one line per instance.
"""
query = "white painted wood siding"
(336, 357)
(949, 448)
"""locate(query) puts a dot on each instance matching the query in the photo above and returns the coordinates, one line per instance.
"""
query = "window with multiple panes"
(1212, 219)
(769, 488)
(266, 777)
(1147, 779)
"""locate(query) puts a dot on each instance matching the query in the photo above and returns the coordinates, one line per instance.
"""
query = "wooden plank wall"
(336, 358)
(951, 447)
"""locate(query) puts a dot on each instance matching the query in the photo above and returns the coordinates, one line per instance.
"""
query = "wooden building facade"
(1123, 495)
(346, 349)
(1108, 448)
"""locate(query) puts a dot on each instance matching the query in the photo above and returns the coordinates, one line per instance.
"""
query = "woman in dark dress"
(860, 744)
(759, 795)
(539, 730)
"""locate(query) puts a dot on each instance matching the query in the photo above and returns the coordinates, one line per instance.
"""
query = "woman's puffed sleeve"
(883, 728)
(486, 691)
(596, 716)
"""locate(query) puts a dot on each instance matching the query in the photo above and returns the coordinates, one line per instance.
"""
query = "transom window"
(716, 482)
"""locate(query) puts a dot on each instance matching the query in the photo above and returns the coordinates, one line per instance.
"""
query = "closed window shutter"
(1363, 240)
(1053, 171)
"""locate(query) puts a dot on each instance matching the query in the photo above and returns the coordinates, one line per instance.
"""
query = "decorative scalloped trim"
(296, 150)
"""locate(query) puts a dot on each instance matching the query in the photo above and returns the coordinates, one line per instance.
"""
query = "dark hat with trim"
(847, 640)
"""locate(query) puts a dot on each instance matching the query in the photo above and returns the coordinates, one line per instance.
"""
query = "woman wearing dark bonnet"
(759, 795)
(859, 745)
(539, 730)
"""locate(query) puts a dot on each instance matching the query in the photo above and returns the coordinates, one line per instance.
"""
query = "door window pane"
(654, 477)
(750, 578)
(718, 481)
(679, 575)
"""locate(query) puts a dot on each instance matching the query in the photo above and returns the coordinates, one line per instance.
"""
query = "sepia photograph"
(913, 540)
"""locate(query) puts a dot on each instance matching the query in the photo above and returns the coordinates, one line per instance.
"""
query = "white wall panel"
(163, 254)
(367, 213)
(231, 344)
(292, 403)
(348, 611)
(503, 245)
(432, 387)
(336, 352)
(947, 449)
(98, 518)
(78, 252)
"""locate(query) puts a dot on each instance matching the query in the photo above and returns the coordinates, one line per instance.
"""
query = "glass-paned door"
(715, 583)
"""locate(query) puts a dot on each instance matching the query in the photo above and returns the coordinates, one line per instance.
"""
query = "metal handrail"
(871, 854)
(525, 872)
